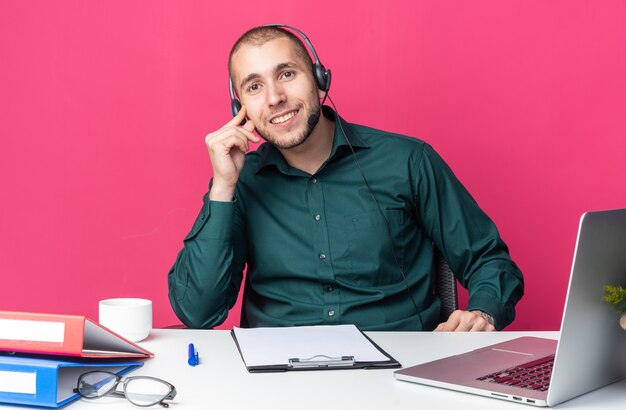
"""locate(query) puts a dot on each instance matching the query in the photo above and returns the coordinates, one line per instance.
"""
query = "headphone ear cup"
(235, 106)
(322, 76)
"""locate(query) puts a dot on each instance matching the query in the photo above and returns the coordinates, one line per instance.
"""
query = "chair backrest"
(445, 287)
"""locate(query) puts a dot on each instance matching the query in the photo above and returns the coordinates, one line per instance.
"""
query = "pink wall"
(105, 106)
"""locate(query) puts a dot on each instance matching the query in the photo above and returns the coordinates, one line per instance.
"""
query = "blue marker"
(193, 356)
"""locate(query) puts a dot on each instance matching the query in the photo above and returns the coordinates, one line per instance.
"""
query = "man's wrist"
(486, 316)
(221, 194)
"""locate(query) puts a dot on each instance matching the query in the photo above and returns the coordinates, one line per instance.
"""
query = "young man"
(336, 222)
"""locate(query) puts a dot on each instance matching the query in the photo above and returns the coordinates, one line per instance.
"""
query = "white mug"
(130, 318)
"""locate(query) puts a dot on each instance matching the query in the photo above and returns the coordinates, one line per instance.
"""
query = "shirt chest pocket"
(376, 246)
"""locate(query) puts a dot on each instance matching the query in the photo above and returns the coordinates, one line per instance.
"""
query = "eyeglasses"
(142, 391)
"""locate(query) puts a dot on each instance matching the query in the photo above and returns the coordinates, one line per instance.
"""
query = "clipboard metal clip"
(321, 360)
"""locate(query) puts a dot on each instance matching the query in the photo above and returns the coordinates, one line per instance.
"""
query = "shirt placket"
(321, 249)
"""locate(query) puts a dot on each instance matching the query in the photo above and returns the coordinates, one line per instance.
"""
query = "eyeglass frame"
(113, 392)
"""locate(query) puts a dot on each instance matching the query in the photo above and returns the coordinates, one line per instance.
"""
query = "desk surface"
(221, 380)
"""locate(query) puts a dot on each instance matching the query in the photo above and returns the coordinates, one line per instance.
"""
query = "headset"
(320, 73)
(322, 79)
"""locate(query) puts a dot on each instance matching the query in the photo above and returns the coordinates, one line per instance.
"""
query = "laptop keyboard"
(533, 375)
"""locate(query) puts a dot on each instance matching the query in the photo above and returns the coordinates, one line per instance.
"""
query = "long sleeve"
(468, 239)
(206, 277)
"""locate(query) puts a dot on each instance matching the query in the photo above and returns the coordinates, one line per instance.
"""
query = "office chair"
(445, 287)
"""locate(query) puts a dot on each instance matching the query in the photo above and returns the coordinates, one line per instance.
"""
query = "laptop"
(591, 350)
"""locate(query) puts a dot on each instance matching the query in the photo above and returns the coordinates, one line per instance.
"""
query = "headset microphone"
(313, 120)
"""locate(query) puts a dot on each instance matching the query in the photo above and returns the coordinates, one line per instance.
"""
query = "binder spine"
(22, 390)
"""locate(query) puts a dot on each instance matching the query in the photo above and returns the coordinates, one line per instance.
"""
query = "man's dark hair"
(258, 36)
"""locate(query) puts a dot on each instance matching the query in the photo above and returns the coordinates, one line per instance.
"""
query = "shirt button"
(314, 180)
(322, 256)
(318, 217)
(330, 289)
(331, 313)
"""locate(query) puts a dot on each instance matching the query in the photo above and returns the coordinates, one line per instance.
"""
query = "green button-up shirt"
(318, 250)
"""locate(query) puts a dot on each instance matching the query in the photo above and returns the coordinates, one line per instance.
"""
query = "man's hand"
(227, 148)
(464, 321)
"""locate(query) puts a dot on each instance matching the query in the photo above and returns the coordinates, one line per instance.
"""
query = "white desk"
(222, 382)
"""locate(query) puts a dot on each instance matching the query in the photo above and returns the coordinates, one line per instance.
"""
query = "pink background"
(105, 106)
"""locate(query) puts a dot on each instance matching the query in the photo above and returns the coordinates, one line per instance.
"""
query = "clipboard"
(280, 349)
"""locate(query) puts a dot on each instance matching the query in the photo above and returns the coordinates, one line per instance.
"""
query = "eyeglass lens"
(139, 390)
(96, 384)
(145, 391)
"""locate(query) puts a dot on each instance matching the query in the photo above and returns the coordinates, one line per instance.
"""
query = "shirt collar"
(345, 135)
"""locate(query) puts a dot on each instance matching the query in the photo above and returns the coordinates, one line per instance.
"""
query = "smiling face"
(277, 88)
